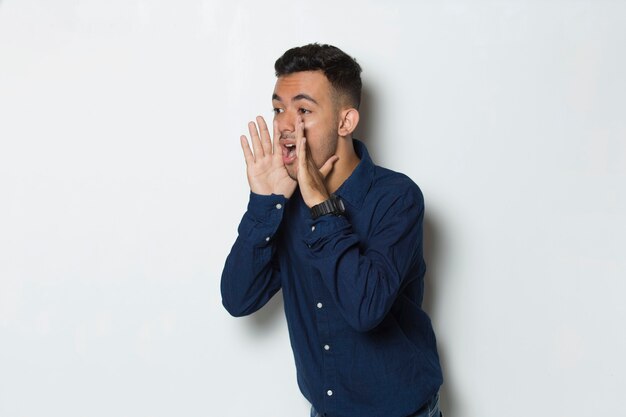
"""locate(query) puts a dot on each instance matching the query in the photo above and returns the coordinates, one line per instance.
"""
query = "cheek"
(310, 125)
(318, 129)
(320, 134)
(313, 134)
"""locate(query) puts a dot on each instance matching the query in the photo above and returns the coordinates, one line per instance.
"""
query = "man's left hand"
(311, 179)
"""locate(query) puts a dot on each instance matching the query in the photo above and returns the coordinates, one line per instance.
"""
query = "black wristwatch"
(333, 205)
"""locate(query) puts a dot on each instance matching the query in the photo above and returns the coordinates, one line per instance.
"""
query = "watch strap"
(333, 205)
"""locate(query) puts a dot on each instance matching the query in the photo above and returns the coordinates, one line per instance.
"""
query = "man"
(342, 238)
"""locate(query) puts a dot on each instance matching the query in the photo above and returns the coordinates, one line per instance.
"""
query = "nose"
(286, 122)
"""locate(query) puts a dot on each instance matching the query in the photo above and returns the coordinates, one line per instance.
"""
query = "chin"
(293, 173)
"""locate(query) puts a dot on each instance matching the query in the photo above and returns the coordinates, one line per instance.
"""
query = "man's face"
(306, 94)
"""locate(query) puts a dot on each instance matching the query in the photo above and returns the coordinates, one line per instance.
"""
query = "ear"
(348, 121)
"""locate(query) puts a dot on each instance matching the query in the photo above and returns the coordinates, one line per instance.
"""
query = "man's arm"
(364, 280)
(251, 276)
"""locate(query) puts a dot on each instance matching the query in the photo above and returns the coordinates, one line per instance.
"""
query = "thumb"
(328, 165)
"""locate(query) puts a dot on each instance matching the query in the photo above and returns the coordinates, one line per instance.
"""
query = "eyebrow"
(300, 96)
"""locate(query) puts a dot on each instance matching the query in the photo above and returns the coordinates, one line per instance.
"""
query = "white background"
(122, 184)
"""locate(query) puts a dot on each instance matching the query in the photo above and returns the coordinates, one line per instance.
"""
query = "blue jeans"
(430, 409)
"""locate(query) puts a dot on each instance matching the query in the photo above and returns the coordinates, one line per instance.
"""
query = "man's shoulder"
(389, 183)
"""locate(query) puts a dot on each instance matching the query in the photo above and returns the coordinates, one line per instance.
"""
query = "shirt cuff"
(261, 220)
(265, 208)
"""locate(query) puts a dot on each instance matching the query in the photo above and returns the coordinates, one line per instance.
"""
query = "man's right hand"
(265, 167)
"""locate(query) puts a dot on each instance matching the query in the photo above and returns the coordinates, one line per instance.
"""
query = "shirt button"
(326, 347)
(279, 206)
(319, 305)
(312, 228)
(267, 239)
(329, 392)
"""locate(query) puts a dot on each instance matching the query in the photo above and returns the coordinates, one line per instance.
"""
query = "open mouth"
(289, 152)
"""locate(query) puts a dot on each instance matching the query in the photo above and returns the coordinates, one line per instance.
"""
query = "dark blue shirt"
(352, 288)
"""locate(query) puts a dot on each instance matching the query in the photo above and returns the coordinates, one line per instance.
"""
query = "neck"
(343, 168)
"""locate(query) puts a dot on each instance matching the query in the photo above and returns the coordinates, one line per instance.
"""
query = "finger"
(247, 153)
(256, 142)
(328, 165)
(300, 143)
(276, 141)
(299, 129)
(301, 152)
(266, 142)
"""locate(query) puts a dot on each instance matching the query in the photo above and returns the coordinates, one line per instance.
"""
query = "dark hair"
(343, 72)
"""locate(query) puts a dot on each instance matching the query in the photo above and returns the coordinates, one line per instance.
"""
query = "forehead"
(312, 83)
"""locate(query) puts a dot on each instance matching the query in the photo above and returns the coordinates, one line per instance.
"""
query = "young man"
(342, 238)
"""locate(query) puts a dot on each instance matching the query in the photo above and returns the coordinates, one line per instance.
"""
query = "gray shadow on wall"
(263, 322)
(433, 256)
(364, 132)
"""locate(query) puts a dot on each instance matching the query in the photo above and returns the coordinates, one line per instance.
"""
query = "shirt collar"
(354, 189)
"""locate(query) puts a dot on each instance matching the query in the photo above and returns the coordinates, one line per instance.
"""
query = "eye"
(278, 110)
(304, 111)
